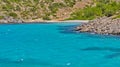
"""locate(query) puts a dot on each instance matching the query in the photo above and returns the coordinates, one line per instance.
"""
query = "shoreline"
(79, 21)
(55, 21)
(51, 21)
(11, 20)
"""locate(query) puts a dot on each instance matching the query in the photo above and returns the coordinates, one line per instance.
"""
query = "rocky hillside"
(28, 10)
(40, 9)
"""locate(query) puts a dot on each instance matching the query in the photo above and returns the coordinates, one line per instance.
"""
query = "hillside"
(99, 8)
(58, 9)
(40, 9)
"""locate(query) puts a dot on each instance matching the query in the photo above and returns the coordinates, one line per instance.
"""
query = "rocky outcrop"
(10, 20)
(102, 25)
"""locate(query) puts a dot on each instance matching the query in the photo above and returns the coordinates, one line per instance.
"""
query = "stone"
(10, 20)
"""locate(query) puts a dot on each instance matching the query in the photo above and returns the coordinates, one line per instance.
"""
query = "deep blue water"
(56, 45)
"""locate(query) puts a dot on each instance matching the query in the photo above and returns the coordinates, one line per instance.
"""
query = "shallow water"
(56, 45)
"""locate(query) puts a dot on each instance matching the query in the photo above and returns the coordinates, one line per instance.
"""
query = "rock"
(104, 25)
(10, 20)
(19, 21)
(3, 21)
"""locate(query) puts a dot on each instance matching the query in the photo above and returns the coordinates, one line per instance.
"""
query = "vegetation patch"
(102, 8)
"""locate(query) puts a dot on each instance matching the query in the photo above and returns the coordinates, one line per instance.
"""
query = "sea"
(56, 45)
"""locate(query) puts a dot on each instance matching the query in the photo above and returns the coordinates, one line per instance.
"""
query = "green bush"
(1, 17)
(101, 9)
(13, 14)
(46, 18)
(70, 2)
(104, 1)
(118, 16)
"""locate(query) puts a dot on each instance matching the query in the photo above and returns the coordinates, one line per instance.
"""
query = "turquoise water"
(56, 45)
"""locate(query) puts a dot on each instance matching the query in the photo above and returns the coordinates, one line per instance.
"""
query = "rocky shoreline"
(7, 20)
(104, 25)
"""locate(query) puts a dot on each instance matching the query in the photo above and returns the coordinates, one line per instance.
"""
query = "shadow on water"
(29, 62)
(111, 49)
(67, 29)
(70, 29)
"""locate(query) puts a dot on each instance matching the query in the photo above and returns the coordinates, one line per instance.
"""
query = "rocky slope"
(40, 9)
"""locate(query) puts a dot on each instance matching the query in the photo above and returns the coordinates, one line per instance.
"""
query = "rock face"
(10, 20)
(102, 25)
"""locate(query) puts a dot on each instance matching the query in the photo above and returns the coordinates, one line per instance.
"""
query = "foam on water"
(56, 45)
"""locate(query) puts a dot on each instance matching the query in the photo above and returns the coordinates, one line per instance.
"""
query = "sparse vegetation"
(55, 6)
(103, 8)
(47, 9)
(70, 3)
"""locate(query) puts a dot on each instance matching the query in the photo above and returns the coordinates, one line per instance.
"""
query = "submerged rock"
(104, 25)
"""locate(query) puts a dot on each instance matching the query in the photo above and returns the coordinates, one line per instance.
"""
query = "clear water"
(56, 45)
